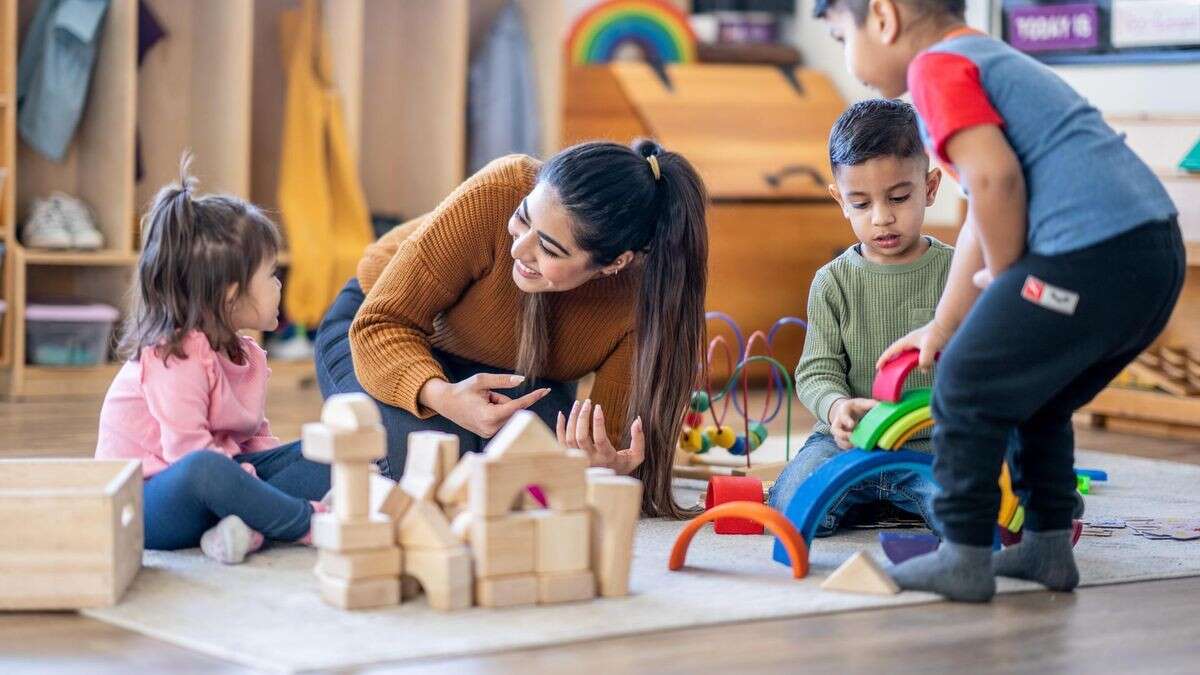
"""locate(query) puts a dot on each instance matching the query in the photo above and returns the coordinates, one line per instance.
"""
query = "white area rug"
(267, 614)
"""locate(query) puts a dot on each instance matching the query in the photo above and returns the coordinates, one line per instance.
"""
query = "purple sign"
(1053, 27)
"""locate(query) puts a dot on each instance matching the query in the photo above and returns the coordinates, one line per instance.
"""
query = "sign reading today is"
(1044, 28)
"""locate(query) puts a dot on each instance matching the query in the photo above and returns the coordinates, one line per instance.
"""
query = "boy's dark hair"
(877, 127)
(858, 8)
(193, 249)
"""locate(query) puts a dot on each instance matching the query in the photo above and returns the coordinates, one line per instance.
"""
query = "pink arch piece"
(889, 381)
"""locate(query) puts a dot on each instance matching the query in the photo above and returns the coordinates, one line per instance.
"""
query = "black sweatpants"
(1040, 342)
(335, 375)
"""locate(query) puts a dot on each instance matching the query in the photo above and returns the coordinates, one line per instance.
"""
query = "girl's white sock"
(230, 540)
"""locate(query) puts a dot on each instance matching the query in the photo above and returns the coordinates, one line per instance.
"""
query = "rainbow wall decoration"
(657, 27)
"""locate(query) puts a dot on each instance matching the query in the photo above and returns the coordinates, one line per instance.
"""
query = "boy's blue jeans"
(196, 492)
(906, 489)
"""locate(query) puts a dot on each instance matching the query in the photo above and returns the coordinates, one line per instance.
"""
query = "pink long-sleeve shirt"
(159, 412)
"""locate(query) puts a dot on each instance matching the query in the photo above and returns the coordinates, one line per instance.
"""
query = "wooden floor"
(1140, 627)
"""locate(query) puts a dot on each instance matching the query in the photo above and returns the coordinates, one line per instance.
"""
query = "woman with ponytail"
(526, 278)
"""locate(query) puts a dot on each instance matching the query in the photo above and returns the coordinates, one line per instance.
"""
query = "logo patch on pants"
(1051, 297)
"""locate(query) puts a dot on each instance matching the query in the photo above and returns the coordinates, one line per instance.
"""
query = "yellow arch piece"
(903, 440)
(901, 427)
(1008, 500)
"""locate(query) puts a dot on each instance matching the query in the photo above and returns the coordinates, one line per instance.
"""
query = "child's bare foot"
(230, 541)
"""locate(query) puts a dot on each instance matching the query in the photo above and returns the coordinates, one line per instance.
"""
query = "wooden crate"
(72, 532)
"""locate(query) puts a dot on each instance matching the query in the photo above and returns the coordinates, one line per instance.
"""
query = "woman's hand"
(584, 429)
(471, 403)
(928, 339)
(844, 416)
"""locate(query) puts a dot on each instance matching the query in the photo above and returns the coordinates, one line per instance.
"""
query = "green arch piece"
(875, 423)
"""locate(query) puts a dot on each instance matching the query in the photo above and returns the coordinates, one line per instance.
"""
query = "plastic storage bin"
(68, 335)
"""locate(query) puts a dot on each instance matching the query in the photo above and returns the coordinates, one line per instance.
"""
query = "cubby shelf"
(215, 85)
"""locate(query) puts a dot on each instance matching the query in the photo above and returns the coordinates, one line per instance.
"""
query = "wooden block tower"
(359, 563)
(467, 530)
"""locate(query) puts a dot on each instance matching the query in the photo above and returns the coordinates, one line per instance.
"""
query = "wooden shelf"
(79, 258)
(1148, 406)
(1193, 253)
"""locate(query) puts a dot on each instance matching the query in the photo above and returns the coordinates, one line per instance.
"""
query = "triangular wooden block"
(453, 489)
(431, 456)
(861, 574)
(525, 434)
(387, 498)
(349, 412)
(425, 526)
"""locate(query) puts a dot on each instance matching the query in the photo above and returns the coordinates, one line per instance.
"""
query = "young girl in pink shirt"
(190, 400)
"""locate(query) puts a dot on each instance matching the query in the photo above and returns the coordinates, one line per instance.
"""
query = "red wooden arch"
(771, 519)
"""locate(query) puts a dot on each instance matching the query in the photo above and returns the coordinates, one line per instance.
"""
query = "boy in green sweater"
(873, 294)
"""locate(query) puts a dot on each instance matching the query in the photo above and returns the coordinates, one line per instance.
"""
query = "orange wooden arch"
(771, 519)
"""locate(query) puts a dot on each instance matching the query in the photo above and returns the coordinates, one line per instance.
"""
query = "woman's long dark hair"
(193, 249)
(617, 204)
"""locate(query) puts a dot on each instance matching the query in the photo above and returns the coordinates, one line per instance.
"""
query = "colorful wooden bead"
(705, 444)
(700, 401)
(694, 419)
(738, 447)
(723, 437)
(691, 440)
(759, 429)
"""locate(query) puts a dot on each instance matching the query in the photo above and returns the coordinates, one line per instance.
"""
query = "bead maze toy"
(464, 531)
(693, 459)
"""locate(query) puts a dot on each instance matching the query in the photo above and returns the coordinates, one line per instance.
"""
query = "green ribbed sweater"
(856, 308)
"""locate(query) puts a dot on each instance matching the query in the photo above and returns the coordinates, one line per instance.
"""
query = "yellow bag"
(321, 199)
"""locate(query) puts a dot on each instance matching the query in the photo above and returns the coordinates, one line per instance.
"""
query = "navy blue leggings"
(193, 494)
(335, 375)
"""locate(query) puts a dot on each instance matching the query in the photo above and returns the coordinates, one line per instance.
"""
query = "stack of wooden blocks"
(468, 531)
(359, 564)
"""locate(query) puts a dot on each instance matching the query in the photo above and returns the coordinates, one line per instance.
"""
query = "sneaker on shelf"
(45, 227)
(79, 222)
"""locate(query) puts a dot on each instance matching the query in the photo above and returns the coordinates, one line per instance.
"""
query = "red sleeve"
(949, 97)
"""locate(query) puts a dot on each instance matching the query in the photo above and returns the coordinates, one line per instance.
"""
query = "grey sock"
(957, 571)
(1044, 557)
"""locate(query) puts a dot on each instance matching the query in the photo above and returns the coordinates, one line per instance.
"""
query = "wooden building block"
(453, 489)
(387, 498)
(501, 546)
(351, 491)
(354, 565)
(327, 445)
(444, 575)
(71, 532)
(507, 591)
(563, 540)
(425, 526)
(524, 434)
(861, 574)
(350, 412)
(615, 502)
(360, 593)
(599, 471)
(330, 533)
(497, 486)
(431, 457)
(566, 586)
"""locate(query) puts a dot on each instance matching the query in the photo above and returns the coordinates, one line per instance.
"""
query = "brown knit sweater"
(444, 281)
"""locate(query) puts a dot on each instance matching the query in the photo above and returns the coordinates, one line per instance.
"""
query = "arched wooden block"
(1008, 500)
(902, 428)
(889, 381)
(881, 418)
(908, 435)
(818, 493)
(788, 540)
(350, 412)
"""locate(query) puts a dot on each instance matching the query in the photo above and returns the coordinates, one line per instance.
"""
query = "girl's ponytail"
(193, 249)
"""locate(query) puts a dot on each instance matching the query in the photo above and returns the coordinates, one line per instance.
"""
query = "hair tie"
(653, 159)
